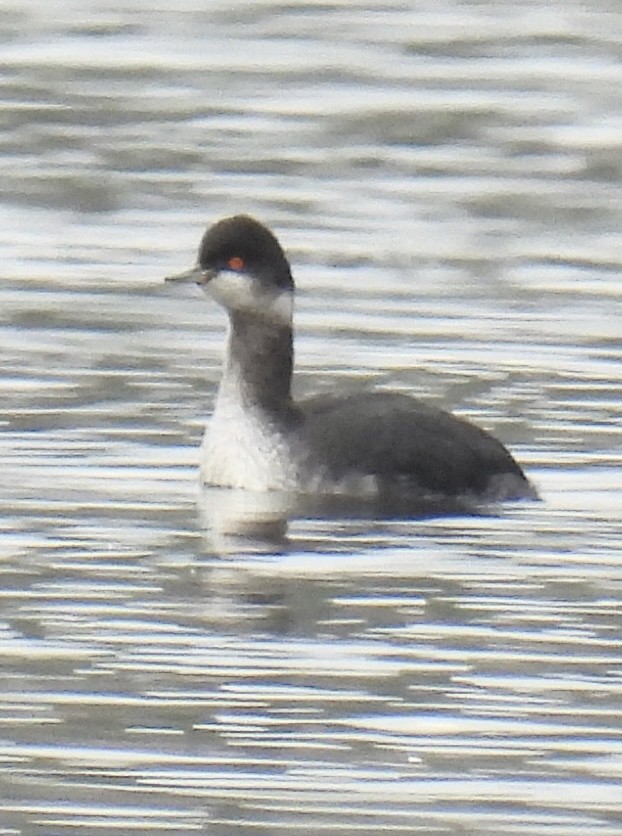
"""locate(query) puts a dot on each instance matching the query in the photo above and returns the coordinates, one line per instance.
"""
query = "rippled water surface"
(447, 181)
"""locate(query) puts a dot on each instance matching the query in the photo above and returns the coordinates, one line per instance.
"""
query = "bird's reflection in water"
(245, 521)
(240, 521)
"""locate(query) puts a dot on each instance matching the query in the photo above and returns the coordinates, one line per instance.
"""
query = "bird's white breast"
(242, 449)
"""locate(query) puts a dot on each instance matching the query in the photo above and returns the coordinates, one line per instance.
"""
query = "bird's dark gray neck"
(259, 364)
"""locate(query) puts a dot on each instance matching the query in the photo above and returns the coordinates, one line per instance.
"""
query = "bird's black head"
(243, 267)
(242, 245)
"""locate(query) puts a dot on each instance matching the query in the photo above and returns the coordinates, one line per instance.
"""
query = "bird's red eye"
(236, 263)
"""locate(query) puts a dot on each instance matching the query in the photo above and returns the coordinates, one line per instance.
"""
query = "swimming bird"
(368, 443)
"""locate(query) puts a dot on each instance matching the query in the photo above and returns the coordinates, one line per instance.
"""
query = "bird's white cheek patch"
(238, 292)
(282, 306)
(231, 290)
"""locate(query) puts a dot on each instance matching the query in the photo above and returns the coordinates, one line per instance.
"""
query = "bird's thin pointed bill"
(195, 274)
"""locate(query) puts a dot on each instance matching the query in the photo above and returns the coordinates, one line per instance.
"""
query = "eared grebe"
(260, 439)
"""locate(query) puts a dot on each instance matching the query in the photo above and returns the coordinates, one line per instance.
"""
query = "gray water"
(446, 178)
